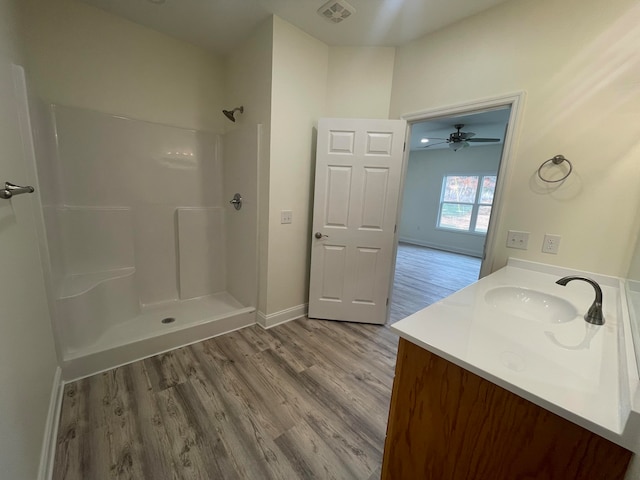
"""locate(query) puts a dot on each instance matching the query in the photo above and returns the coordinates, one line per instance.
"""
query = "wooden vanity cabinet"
(446, 423)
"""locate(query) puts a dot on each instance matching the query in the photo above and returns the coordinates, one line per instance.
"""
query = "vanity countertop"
(584, 373)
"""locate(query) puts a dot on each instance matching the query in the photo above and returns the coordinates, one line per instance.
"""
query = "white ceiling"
(219, 25)
(490, 124)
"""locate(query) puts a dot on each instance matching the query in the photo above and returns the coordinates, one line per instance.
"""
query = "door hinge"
(395, 228)
(404, 147)
(387, 300)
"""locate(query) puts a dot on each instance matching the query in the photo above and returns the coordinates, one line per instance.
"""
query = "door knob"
(318, 235)
(10, 190)
(236, 201)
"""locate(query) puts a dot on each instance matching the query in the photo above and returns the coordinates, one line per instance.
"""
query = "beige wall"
(82, 56)
(27, 355)
(578, 62)
(581, 101)
(300, 64)
(248, 83)
(634, 265)
(359, 82)
(310, 80)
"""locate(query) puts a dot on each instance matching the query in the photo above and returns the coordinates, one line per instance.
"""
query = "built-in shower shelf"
(74, 285)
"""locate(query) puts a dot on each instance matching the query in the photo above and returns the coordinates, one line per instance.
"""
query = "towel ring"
(557, 160)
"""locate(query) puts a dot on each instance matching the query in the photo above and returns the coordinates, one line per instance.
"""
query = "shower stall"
(146, 252)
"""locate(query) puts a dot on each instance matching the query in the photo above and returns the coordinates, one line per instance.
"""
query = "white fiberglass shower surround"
(146, 251)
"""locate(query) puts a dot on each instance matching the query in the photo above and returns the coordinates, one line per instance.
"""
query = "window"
(465, 202)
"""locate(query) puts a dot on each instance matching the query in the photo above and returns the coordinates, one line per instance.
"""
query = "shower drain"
(168, 320)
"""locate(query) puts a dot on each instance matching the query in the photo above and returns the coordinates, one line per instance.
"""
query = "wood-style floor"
(304, 400)
(425, 275)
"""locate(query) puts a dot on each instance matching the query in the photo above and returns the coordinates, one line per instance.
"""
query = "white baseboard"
(283, 316)
(446, 248)
(45, 472)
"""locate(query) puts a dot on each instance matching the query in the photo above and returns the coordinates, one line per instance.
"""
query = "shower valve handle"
(236, 201)
(10, 190)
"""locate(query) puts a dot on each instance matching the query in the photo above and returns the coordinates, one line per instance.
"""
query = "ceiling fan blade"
(483, 140)
(467, 135)
(433, 144)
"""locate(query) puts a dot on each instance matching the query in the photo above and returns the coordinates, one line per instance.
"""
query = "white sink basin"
(531, 304)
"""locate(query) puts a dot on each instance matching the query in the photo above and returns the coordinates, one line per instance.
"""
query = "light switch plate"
(517, 239)
(286, 216)
(551, 243)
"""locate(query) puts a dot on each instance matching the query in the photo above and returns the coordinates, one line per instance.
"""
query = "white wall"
(27, 356)
(422, 189)
(82, 56)
(582, 100)
(300, 65)
(359, 82)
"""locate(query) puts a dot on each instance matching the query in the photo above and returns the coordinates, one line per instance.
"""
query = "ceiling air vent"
(336, 11)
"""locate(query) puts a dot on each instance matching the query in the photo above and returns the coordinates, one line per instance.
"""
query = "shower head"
(229, 113)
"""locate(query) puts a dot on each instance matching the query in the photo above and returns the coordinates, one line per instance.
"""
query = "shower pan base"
(150, 333)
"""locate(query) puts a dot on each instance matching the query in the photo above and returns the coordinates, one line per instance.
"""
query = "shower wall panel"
(106, 163)
(48, 180)
(240, 154)
(201, 253)
(96, 239)
(106, 160)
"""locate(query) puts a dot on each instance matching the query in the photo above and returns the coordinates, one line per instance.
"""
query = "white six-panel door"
(357, 186)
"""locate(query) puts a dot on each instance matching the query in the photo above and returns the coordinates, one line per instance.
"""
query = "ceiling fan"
(458, 140)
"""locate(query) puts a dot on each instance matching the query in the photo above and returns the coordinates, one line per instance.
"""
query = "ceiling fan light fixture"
(424, 140)
(455, 146)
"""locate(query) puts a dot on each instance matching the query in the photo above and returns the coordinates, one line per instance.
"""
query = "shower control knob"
(236, 201)
(10, 190)
(318, 235)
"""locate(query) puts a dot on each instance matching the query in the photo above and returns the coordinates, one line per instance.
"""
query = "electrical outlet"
(551, 243)
(286, 216)
(517, 239)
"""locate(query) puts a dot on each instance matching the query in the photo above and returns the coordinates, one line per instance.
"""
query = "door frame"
(516, 102)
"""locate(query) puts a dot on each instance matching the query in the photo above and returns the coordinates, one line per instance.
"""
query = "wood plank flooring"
(425, 275)
(307, 399)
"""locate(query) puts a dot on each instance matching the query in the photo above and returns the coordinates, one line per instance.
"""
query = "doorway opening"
(449, 202)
